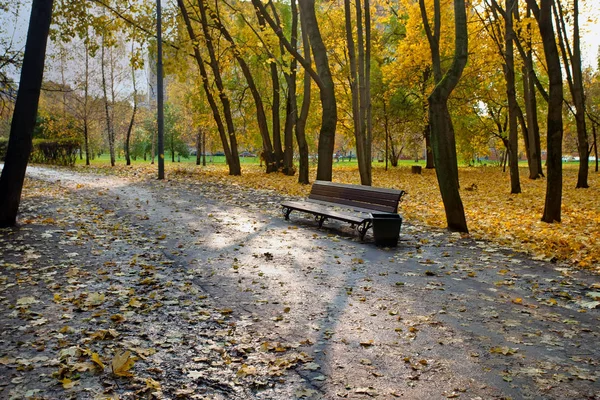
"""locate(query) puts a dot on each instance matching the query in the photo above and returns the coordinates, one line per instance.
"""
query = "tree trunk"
(291, 107)
(261, 118)
(356, 97)
(234, 166)
(109, 128)
(132, 121)
(24, 115)
(275, 117)
(86, 88)
(365, 168)
(233, 160)
(303, 116)
(327, 92)
(594, 133)
(442, 130)
(533, 128)
(579, 100)
(543, 15)
(511, 94)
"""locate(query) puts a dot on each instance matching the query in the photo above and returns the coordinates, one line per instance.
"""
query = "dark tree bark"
(107, 108)
(595, 136)
(534, 149)
(358, 90)
(276, 118)
(24, 115)
(327, 92)
(261, 118)
(234, 167)
(543, 16)
(572, 63)
(511, 94)
(234, 159)
(199, 149)
(132, 120)
(442, 130)
(291, 108)
(303, 116)
(86, 89)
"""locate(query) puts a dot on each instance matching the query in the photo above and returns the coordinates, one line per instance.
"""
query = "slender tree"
(571, 55)
(327, 92)
(24, 115)
(543, 16)
(442, 130)
(234, 164)
(261, 118)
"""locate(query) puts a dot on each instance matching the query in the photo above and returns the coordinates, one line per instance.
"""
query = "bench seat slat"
(354, 203)
(322, 209)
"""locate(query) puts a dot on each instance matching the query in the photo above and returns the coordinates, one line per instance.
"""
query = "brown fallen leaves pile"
(492, 212)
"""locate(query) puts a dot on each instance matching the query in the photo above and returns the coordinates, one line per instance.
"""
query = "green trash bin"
(386, 229)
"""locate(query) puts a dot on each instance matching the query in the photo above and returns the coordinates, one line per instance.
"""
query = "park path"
(440, 316)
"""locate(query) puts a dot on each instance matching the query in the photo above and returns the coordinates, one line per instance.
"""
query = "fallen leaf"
(122, 362)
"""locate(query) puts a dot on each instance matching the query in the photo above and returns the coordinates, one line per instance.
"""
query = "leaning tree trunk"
(109, 128)
(234, 165)
(579, 100)
(86, 89)
(442, 130)
(511, 94)
(543, 15)
(365, 168)
(533, 129)
(303, 170)
(261, 118)
(24, 115)
(234, 160)
(327, 92)
(289, 72)
(132, 120)
(354, 91)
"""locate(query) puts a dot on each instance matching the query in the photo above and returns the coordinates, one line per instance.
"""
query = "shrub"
(57, 152)
(3, 147)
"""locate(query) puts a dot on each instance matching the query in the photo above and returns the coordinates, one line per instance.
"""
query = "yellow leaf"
(68, 384)
(96, 359)
(122, 363)
(518, 300)
(152, 384)
(246, 370)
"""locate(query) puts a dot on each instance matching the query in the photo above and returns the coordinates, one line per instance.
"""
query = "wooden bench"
(348, 203)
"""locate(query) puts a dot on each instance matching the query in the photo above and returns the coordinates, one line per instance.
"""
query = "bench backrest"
(357, 196)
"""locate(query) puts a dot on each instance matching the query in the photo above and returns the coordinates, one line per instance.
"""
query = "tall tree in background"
(511, 95)
(543, 16)
(289, 72)
(572, 64)
(327, 92)
(309, 73)
(108, 104)
(442, 130)
(234, 164)
(304, 109)
(234, 159)
(24, 116)
(135, 105)
(261, 118)
(358, 88)
(532, 138)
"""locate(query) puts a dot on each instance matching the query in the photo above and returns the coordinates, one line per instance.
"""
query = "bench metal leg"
(363, 227)
(320, 219)
(286, 212)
